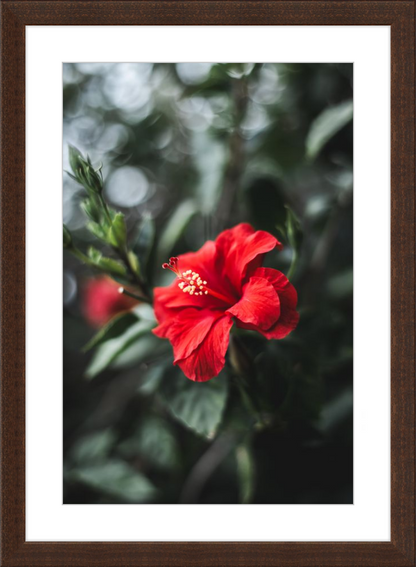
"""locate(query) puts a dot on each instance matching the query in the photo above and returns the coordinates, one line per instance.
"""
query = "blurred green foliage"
(186, 151)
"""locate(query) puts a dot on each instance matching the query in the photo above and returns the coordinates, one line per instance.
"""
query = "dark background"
(193, 149)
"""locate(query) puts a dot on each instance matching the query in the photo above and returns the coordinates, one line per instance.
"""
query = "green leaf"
(94, 181)
(117, 235)
(175, 228)
(96, 230)
(134, 262)
(94, 255)
(152, 379)
(106, 264)
(92, 209)
(326, 125)
(67, 237)
(113, 348)
(293, 234)
(154, 442)
(117, 479)
(336, 411)
(93, 447)
(75, 157)
(83, 171)
(112, 266)
(293, 230)
(71, 176)
(198, 405)
(116, 327)
(146, 350)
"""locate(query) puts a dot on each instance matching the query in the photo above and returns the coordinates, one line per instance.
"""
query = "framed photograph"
(218, 365)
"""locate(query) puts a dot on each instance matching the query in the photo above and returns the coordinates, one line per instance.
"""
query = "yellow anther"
(192, 283)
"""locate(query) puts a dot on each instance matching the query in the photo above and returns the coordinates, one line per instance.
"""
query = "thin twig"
(205, 467)
(235, 164)
(124, 291)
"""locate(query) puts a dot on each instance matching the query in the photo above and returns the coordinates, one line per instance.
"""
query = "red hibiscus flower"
(102, 301)
(220, 284)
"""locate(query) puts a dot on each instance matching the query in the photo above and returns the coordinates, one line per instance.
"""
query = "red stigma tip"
(173, 260)
(165, 266)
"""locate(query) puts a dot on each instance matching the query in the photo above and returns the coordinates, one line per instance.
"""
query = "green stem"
(248, 400)
(81, 256)
(124, 291)
(244, 372)
(123, 253)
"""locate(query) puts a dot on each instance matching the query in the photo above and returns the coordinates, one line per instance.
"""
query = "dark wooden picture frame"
(400, 16)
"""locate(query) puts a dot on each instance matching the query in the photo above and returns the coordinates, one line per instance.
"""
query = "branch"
(205, 467)
(235, 165)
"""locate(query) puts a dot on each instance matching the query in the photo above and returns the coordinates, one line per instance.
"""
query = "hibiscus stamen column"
(192, 283)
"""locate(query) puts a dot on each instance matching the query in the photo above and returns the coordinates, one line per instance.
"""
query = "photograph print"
(207, 283)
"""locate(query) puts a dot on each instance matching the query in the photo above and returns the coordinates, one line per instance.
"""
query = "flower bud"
(84, 172)
(75, 157)
(102, 301)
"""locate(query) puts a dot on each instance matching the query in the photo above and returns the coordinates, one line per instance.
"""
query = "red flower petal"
(208, 359)
(187, 330)
(169, 299)
(240, 251)
(259, 305)
(289, 317)
(286, 324)
(201, 261)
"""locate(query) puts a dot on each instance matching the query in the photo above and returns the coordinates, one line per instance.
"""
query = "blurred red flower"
(221, 283)
(102, 301)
